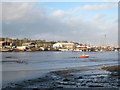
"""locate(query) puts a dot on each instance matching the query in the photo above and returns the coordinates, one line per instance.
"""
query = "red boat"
(84, 56)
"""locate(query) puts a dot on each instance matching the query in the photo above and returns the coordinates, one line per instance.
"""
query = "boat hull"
(84, 56)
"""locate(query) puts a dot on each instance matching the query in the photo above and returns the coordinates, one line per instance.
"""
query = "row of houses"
(33, 45)
(45, 46)
(38, 45)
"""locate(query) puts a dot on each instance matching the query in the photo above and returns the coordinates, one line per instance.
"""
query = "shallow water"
(18, 66)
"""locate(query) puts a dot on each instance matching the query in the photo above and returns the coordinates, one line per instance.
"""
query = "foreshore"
(26, 50)
(53, 49)
(74, 78)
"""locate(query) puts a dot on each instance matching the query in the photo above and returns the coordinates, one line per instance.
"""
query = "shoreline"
(73, 78)
(38, 49)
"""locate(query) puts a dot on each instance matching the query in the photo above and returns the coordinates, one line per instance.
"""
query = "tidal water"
(19, 66)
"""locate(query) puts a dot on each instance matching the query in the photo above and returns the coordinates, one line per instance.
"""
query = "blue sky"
(69, 5)
(71, 21)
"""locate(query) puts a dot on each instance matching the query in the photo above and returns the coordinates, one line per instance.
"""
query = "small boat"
(84, 56)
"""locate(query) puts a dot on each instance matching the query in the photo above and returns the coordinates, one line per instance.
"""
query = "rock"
(35, 89)
(59, 87)
(20, 85)
(80, 77)
(72, 83)
(68, 75)
(118, 85)
(66, 80)
(66, 83)
(78, 84)
(83, 84)
(46, 76)
(89, 81)
(59, 82)
(95, 86)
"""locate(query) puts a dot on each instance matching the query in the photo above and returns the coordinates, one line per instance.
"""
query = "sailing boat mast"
(105, 41)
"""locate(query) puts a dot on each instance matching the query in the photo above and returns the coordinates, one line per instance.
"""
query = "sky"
(53, 21)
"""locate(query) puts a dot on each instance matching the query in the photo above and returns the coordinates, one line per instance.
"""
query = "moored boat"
(84, 56)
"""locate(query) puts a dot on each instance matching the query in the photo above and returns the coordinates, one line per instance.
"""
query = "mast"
(105, 40)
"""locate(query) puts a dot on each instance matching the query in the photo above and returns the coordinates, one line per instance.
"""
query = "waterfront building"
(44, 44)
(82, 48)
(29, 45)
(64, 45)
(4, 43)
(21, 48)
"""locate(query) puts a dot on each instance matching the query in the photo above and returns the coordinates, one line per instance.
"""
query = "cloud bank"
(32, 21)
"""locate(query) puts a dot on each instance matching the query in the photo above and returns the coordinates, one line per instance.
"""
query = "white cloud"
(16, 10)
(50, 36)
(60, 0)
(97, 7)
(98, 16)
(23, 20)
(58, 13)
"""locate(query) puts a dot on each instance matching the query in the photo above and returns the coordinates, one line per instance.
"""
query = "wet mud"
(73, 78)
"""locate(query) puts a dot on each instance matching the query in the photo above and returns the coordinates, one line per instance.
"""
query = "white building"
(29, 45)
(64, 45)
(21, 47)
